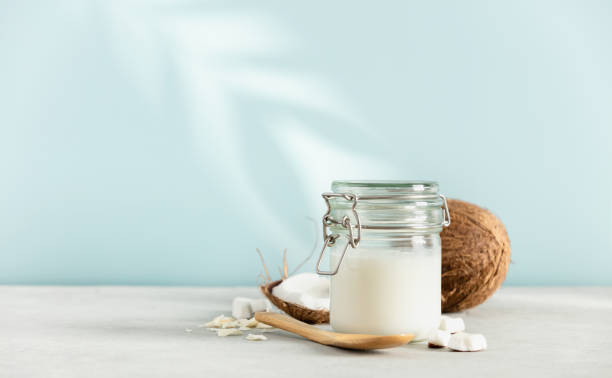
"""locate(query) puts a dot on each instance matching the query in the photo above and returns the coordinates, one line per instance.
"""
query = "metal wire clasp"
(352, 241)
(330, 239)
(447, 218)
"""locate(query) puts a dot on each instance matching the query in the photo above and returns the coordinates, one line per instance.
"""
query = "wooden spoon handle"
(341, 340)
(292, 325)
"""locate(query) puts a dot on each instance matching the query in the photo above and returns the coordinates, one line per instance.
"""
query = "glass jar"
(385, 256)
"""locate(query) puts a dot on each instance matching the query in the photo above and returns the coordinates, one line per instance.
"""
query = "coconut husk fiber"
(475, 256)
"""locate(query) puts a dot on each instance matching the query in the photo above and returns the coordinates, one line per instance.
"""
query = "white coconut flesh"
(305, 289)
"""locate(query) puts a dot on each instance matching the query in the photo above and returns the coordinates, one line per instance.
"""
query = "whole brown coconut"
(475, 256)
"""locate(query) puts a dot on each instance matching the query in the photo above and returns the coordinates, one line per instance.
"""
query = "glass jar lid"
(381, 210)
(392, 206)
(379, 188)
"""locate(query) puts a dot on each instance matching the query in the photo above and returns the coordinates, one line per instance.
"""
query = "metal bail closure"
(330, 239)
(447, 218)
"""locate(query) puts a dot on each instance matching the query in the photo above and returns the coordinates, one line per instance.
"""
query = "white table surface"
(140, 332)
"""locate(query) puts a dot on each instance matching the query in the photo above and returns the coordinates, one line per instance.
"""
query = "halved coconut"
(307, 315)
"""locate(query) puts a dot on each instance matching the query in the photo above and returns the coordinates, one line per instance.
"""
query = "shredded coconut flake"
(253, 337)
(229, 332)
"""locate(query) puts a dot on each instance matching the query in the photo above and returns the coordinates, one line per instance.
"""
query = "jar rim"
(385, 187)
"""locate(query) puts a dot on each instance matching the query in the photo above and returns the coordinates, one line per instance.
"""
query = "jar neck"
(398, 233)
(405, 242)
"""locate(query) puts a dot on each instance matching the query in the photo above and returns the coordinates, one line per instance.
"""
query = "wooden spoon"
(340, 340)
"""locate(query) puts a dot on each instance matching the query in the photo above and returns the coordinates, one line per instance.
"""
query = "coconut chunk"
(452, 325)
(260, 305)
(438, 338)
(241, 308)
(467, 342)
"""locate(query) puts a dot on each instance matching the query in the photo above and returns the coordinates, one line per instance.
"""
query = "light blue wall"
(160, 142)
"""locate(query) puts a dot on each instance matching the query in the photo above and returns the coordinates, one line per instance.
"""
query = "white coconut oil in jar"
(385, 256)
